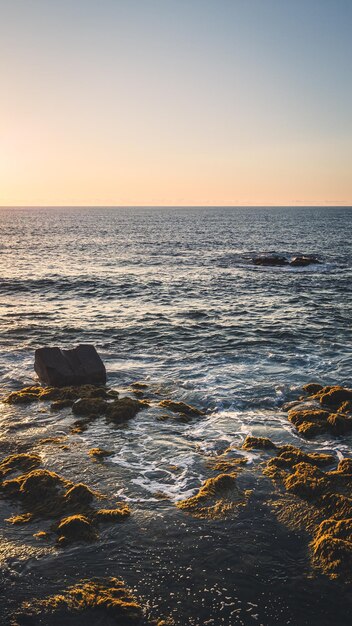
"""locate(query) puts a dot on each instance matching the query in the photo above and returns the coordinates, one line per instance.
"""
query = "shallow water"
(170, 297)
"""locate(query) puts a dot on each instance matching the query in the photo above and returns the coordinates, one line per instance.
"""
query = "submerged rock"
(105, 600)
(181, 408)
(45, 494)
(259, 443)
(216, 499)
(79, 366)
(319, 502)
(75, 528)
(327, 409)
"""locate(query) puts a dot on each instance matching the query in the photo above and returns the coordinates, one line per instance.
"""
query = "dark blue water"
(170, 296)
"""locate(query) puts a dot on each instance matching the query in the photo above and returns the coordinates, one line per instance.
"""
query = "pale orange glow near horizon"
(189, 106)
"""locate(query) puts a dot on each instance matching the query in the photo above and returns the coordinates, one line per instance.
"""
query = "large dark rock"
(273, 260)
(60, 368)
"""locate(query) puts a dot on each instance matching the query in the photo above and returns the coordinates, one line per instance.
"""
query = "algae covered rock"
(181, 407)
(99, 453)
(123, 409)
(75, 528)
(90, 406)
(318, 501)
(19, 463)
(103, 600)
(216, 499)
(113, 515)
(259, 443)
(328, 409)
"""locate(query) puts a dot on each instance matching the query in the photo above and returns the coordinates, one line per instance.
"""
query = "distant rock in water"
(304, 260)
(278, 260)
(270, 260)
(79, 366)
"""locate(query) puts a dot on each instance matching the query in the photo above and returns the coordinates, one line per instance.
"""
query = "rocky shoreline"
(308, 492)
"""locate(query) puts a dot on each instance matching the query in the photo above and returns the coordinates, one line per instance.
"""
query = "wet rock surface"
(79, 366)
(251, 491)
(325, 409)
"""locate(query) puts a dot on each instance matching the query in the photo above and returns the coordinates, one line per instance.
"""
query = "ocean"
(171, 297)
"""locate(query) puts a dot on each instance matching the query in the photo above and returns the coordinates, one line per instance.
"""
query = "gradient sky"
(175, 102)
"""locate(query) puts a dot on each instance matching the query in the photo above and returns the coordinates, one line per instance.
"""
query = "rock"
(76, 528)
(312, 388)
(79, 366)
(259, 443)
(304, 260)
(182, 408)
(270, 260)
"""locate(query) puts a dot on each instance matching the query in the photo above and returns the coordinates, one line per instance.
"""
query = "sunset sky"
(175, 102)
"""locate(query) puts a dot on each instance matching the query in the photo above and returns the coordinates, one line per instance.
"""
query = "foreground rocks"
(47, 495)
(317, 500)
(323, 410)
(79, 366)
(96, 601)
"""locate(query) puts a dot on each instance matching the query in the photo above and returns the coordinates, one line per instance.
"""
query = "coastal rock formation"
(325, 409)
(79, 366)
(181, 408)
(318, 501)
(259, 443)
(47, 495)
(216, 499)
(103, 601)
(278, 260)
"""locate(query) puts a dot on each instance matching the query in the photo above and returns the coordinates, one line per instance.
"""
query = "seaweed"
(19, 463)
(98, 454)
(113, 515)
(259, 443)
(123, 409)
(182, 408)
(106, 599)
(75, 528)
(318, 501)
(216, 499)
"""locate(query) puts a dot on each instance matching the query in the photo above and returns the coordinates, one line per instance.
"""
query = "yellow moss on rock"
(123, 409)
(99, 453)
(112, 515)
(216, 499)
(108, 599)
(75, 528)
(259, 443)
(181, 408)
(319, 502)
(19, 463)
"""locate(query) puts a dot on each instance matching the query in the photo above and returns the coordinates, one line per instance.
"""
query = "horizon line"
(172, 206)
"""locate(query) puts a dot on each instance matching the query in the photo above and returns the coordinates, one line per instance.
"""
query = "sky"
(175, 102)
